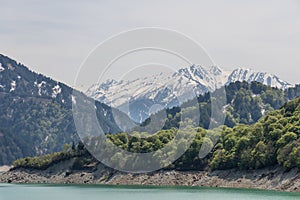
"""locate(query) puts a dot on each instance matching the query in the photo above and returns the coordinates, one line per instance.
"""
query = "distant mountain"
(136, 97)
(36, 113)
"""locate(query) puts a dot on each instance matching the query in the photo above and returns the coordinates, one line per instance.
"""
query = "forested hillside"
(273, 141)
(245, 103)
(36, 113)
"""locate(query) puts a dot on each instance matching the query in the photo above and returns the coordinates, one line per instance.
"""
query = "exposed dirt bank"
(270, 178)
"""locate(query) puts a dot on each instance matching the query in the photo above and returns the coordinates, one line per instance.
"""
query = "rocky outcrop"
(5, 168)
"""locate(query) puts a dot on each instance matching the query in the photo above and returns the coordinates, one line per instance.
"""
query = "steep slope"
(36, 113)
(136, 97)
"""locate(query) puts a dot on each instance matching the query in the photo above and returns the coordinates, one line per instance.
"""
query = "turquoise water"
(59, 192)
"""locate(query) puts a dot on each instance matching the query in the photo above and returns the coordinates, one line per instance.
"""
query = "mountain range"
(36, 115)
(137, 97)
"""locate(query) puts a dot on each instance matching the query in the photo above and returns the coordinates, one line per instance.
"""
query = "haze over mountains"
(137, 97)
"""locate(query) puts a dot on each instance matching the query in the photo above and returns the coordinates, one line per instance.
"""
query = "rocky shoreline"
(268, 179)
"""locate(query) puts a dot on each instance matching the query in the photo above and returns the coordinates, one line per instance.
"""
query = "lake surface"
(80, 192)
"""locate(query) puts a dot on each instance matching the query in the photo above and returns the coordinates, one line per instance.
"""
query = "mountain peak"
(250, 75)
(215, 70)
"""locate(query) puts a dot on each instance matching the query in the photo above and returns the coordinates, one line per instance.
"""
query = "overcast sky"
(54, 37)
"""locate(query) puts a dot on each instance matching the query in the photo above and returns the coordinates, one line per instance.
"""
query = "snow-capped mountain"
(136, 97)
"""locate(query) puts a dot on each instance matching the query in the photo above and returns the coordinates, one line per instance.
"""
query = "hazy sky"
(54, 37)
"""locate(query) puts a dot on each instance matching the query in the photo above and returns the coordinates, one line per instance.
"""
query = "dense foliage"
(273, 140)
(32, 127)
(79, 157)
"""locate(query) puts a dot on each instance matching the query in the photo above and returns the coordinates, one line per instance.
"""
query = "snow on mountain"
(56, 90)
(17, 79)
(250, 75)
(136, 97)
(1, 68)
(13, 86)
